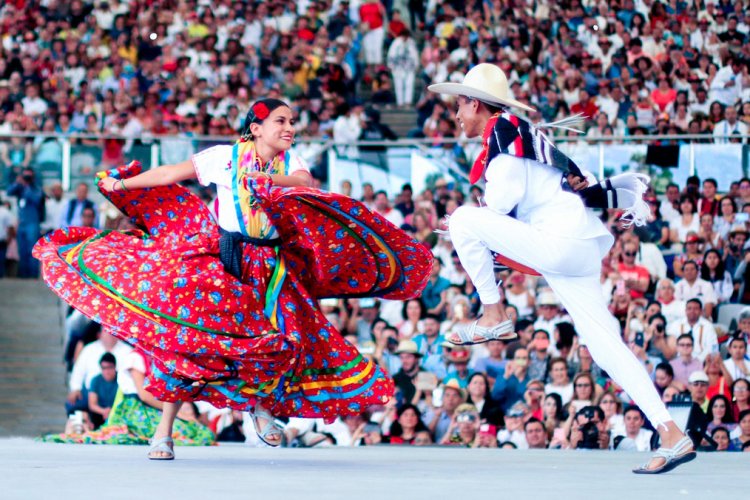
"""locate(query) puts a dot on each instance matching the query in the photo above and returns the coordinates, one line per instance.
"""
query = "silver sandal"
(501, 331)
(680, 453)
(269, 429)
(162, 445)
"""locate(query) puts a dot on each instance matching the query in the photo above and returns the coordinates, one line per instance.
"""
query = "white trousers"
(372, 43)
(571, 268)
(403, 85)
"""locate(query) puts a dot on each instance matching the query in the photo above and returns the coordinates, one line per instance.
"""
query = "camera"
(590, 439)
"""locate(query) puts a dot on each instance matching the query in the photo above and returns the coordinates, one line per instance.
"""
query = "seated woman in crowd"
(725, 221)
(720, 414)
(554, 414)
(712, 270)
(408, 426)
(740, 442)
(740, 397)
(480, 396)
(686, 223)
(414, 311)
(136, 413)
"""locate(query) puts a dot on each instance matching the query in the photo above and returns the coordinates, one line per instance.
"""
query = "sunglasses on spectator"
(700, 383)
(630, 254)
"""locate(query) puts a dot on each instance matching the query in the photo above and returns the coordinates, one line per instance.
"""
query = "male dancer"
(533, 221)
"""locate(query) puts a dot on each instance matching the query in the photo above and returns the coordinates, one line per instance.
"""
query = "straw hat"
(485, 82)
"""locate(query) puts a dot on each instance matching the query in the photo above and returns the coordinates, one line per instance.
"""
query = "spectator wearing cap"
(511, 387)
(692, 286)
(633, 436)
(439, 419)
(702, 330)
(406, 377)
(464, 427)
(548, 312)
(698, 387)
(685, 363)
(730, 125)
(458, 358)
(738, 365)
(514, 431)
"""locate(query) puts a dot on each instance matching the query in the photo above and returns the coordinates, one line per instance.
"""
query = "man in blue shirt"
(434, 294)
(30, 216)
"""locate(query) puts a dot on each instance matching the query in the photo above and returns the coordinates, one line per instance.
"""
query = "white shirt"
(213, 166)
(674, 311)
(34, 106)
(642, 441)
(705, 340)
(337, 429)
(700, 289)
(650, 257)
(87, 366)
(725, 128)
(734, 370)
(54, 209)
(725, 95)
(133, 361)
(565, 392)
(6, 222)
(394, 216)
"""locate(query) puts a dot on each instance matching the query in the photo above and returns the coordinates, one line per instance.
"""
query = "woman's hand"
(108, 184)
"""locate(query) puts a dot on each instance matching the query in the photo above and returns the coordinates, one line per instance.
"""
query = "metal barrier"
(71, 159)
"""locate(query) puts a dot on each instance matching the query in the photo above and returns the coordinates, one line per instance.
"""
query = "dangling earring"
(294, 141)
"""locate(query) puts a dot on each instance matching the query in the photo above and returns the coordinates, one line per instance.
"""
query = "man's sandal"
(271, 433)
(163, 445)
(680, 453)
(467, 335)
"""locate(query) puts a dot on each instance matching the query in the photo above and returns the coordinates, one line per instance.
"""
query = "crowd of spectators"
(146, 69)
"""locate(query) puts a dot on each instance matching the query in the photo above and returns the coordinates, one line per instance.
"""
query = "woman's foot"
(162, 448)
(265, 425)
(478, 333)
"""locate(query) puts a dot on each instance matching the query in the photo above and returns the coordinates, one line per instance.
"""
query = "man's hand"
(576, 182)
(74, 396)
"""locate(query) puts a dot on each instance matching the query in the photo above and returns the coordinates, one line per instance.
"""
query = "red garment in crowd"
(589, 109)
(372, 14)
(633, 273)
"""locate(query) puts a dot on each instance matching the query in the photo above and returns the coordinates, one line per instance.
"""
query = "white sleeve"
(506, 183)
(297, 163)
(214, 165)
(78, 374)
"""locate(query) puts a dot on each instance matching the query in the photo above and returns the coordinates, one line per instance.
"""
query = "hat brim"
(467, 91)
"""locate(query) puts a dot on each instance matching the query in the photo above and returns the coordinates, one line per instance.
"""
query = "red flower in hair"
(260, 110)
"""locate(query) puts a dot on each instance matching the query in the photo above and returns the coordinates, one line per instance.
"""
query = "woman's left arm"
(300, 178)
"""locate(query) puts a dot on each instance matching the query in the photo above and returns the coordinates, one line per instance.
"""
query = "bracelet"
(122, 185)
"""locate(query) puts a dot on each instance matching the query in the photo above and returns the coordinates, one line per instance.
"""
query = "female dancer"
(233, 320)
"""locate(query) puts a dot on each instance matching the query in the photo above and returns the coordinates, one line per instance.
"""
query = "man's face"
(408, 361)
(698, 391)
(451, 399)
(381, 202)
(88, 217)
(673, 193)
(745, 325)
(468, 119)
(692, 311)
(82, 191)
(548, 311)
(737, 350)
(709, 190)
(691, 272)
(108, 371)
(685, 347)
(633, 422)
(431, 327)
(535, 435)
(731, 114)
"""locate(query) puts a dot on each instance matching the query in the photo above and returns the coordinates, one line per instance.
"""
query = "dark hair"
(684, 198)
(566, 334)
(270, 105)
(422, 308)
(545, 332)
(706, 272)
(397, 430)
(656, 316)
(487, 390)
(737, 338)
(533, 420)
(711, 180)
(666, 367)
(728, 417)
(686, 336)
(633, 408)
(560, 411)
(432, 316)
(523, 324)
(743, 413)
(108, 357)
(731, 203)
(697, 301)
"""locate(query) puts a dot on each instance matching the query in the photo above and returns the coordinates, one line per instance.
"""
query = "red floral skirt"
(233, 342)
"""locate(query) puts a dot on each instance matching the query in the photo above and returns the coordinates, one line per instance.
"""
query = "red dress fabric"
(163, 289)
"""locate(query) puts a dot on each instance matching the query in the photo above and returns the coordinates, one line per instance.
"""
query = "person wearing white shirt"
(669, 206)
(347, 128)
(635, 437)
(383, 207)
(87, 366)
(649, 256)
(693, 287)
(726, 86)
(738, 365)
(671, 308)
(730, 125)
(54, 206)
(704, 335)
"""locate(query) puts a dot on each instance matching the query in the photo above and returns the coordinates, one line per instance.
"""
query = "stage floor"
(31, 470)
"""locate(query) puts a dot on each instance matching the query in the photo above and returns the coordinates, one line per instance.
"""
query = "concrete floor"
(31, 470)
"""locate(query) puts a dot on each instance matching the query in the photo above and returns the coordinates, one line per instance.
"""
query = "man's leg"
(598, 329)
